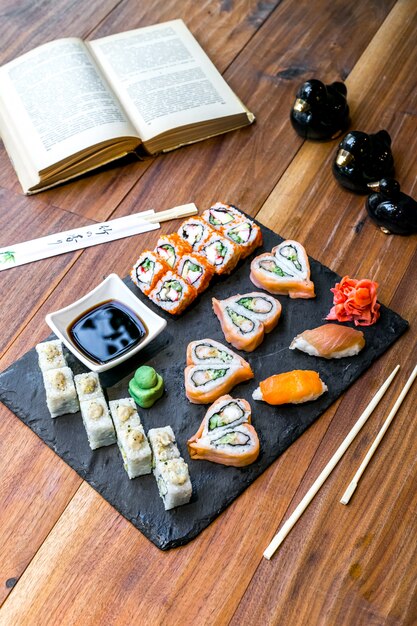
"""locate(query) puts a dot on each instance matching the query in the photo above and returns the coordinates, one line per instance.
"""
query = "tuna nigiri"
(290, 388)
(329, 341)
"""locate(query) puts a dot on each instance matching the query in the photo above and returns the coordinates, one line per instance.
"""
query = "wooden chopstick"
(354, 483)
(283, 532)
(185, 210)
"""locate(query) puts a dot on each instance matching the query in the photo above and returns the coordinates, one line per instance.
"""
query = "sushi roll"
(97, 423)
(148, 269)
(163, 444)
(221, 253)
(88, 386)
(222, 215)
(269, 272)
(207, 351)
(50, 355)
(246, 318)
(170, 248)
(290, 388)
(131, 439)
(195, 269)
(237, 447)
(205, 383)
(172, 293)
(246, 234)
(293, 255)
(225, 413)
(170, 469)
(330, 341)
(195, 231)
(243, 332)
(61, 396)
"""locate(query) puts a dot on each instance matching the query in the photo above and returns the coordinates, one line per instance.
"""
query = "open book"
(70, 106)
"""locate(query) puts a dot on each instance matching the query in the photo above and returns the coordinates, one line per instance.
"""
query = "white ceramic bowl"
(112, 288)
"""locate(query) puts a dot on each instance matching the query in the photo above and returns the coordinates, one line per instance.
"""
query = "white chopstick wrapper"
(283, 532)
(86, 236)
(354, 483)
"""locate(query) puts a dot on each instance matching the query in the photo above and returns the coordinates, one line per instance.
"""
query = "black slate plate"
(214, 486)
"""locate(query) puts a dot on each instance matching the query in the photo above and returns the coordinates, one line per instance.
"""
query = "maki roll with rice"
(169, 468)
(97, 422)
(204, 383)
(195, 231)
(206, 351)
(131, 439)
(61, 396)
(195, 269)
(246, 234)
(221, 215)
(172, 293)
(50, 355)
(222, 253)
(148, 269)
(170, 248)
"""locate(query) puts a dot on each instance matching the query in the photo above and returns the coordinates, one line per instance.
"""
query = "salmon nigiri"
(290, 388)
(330, 341)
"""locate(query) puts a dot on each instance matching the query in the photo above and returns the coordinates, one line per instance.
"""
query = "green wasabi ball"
(146, 387)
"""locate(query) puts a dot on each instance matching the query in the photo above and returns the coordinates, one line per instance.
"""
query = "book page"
(163, 78)
(59, 102)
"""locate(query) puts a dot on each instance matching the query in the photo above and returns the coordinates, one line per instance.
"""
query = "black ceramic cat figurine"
(362, 159)
(320, 111)
(392, 210)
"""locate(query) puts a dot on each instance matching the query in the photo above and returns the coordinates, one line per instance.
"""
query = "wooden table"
(66, 556)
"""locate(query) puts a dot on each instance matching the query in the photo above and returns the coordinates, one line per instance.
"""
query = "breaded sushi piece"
(267, 272)
(225, 413)
(131, 439)
(220, 215)
(246, 234)
(237, 447)
(97, 423)
(163, 444)
(290, 388)
(50, 355)
(61, 396)
(206, 351)
(170, 469)
(196, 270)
(148, 269)
(205, 383)
(171, 247)
(222, 253)
(172, 293)
(245, 318)
(195, 231)
(240, 330)
(330, 341)
(88, 386)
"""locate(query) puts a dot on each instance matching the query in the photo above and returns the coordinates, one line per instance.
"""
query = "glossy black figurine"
(363, 159)
(320, 111)
(392, 210)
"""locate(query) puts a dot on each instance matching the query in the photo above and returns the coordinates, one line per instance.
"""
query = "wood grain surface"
(66, 556)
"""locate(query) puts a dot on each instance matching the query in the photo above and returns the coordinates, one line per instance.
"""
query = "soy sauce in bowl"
(106, 331)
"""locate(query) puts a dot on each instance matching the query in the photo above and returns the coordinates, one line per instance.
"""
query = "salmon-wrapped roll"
(205, 383)
(221, 253)
(225, 413)
(269, 273)
(290, 388)
(148, 269)
(196, 270)
(170, 248)
(220, 215)
(205, 351)
(330, 341)
(293, 255)
(195, 231)
(237, 447)
(172, 293)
